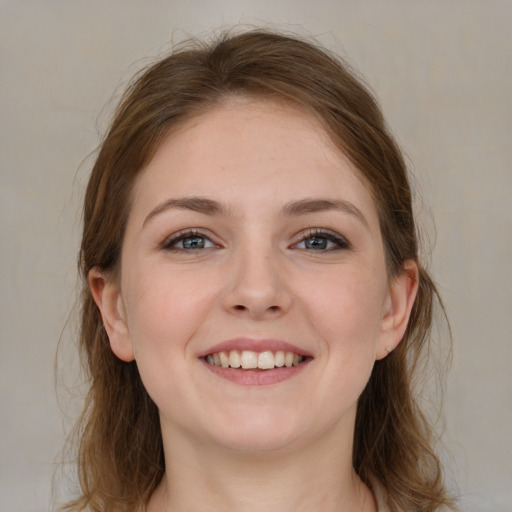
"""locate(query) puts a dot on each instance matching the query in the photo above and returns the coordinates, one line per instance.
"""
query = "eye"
(321, 240)
(189, 240)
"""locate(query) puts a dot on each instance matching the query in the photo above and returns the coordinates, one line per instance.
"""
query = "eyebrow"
(296, 208)
(195, 204)
(306, 206)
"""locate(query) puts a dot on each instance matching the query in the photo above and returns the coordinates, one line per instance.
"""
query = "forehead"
(247, 148)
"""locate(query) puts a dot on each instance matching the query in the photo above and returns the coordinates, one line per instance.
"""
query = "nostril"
(241, 307)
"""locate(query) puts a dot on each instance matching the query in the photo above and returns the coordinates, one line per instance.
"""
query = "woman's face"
(252, 241)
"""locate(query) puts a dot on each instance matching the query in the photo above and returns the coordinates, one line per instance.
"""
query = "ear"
(107, 295)
(397, 309)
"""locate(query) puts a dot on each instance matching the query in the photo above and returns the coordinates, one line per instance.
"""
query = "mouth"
(252, 360)
(255, 362)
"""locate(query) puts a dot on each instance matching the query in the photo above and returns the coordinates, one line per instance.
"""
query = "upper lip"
(255, 345)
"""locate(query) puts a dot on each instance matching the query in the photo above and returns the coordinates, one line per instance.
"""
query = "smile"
(251, 360)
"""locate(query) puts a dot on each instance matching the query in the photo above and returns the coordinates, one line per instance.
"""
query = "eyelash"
(340, 242)
(170, 242)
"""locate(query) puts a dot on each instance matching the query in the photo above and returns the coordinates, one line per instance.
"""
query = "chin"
(262, 432)
(258, 442)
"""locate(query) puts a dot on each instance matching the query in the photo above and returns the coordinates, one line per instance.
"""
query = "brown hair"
(120, 458)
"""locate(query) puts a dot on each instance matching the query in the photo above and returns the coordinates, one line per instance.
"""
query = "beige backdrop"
(443, 72)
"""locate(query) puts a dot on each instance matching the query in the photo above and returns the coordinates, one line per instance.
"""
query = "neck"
(213, 478)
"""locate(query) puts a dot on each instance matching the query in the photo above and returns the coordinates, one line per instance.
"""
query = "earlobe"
(107, 295)
(402, 294)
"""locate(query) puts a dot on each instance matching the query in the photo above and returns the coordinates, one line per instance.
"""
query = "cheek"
(348, 309)
(164, 311)
(165, 308)
(350, 324)
(348, 319)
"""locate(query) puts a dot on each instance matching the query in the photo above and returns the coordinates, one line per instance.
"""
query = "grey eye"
(317, 243)
(322, 241)
(194, 242)
(188, 241)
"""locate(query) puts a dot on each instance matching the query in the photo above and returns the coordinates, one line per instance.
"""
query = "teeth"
(234, 359)
(224, 359)
(249, 360)
(266, 360)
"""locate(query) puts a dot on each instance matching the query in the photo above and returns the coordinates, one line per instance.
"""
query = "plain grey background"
(443, 73)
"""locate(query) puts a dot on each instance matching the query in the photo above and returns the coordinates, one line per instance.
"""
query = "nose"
(256, 286)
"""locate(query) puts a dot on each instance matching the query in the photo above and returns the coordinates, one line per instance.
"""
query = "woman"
(253, 304)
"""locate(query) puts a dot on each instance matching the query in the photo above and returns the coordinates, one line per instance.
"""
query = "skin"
(284, 446)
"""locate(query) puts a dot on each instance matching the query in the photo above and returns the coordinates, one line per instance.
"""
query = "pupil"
(316, 243)
(193, 242)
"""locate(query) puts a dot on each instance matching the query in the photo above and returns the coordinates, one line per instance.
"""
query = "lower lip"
(257, 377)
